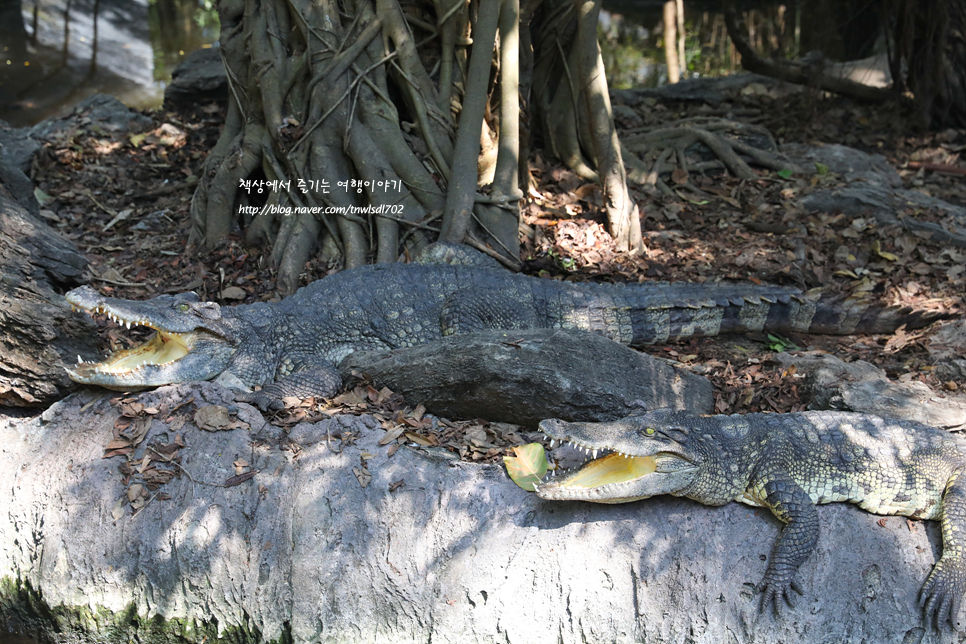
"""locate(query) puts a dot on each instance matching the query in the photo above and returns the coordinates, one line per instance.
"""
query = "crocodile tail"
(770, 310)
(836, 315)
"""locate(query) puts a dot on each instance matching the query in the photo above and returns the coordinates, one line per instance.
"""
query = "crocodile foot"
(261, 399)
(942, 595)
(776, 589)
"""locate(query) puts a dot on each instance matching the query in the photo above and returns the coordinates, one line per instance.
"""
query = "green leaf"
(528, 466)
(42, 197)
(786, 173)
(821, 168)
(779, 344)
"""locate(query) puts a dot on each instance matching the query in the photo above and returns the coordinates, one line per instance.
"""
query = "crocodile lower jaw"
(618, 478)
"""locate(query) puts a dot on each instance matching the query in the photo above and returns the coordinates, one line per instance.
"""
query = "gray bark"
(523, 377)
(38, 332)
(456, 554)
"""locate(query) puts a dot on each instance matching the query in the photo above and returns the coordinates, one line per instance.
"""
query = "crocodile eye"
(183, 307)
(649, 431)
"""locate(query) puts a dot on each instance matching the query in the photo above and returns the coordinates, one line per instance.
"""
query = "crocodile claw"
(776, 590)
(260, 399)
(942, 595)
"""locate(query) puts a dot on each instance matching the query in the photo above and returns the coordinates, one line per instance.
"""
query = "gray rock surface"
(525, 376)
(100, 110)
(15, 185)
(17, 147)
(199, 77)
(455, 554)
(873, 188)
(860, 386)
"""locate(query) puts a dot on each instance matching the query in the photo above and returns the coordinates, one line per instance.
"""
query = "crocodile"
(291, 347)
(788, 463)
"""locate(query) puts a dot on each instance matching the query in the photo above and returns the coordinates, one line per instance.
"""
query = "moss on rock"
(24, 610)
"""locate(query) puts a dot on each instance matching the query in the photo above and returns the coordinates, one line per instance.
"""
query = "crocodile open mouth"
(162, 348)
(614, 475)
(610, 468)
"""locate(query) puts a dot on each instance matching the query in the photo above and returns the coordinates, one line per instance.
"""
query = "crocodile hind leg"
(481, 309)
(942, 594)
(793, 507)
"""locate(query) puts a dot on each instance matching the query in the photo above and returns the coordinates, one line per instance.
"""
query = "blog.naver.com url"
(321, 186)
(286, 211)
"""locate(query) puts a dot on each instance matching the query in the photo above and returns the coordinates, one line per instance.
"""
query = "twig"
(479, 222)
(937, 167)
(500, 257)
(146, 504)
(167, 190)
(168, 459)
(414, 224)
(116, 282)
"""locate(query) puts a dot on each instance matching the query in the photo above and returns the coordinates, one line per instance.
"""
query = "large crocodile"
(787, 463)
(291, 347)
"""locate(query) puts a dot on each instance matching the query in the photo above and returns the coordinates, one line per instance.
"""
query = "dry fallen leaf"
(363, 475)
(239, 478)
(118, 510)
(233, 293)
(392, 435)
(425, 441)
(212, 418)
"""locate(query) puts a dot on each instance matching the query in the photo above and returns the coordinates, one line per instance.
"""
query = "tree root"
(664, 150)
(331, 102)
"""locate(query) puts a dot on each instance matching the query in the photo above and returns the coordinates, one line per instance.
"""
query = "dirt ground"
(125, 202)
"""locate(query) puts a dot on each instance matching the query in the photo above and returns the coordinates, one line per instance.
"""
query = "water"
(70, 49)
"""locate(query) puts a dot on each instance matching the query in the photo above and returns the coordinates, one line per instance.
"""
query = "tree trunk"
(930, 41)
(415, 113)
(670, 42)
(38, 332)
(13, 35)
(522, 377)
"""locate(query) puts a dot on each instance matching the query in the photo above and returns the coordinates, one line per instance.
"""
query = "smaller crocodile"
(788, 463)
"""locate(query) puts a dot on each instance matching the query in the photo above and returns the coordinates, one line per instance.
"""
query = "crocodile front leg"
(793, 507)
(304, 379)
(942, 594)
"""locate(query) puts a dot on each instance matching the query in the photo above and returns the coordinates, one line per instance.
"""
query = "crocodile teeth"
(553, 443)
(127, 324)
(594, 453)
(79, 360)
